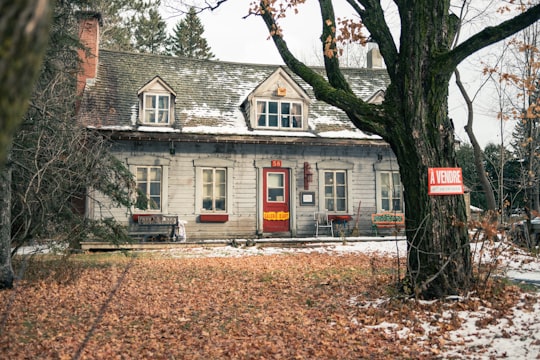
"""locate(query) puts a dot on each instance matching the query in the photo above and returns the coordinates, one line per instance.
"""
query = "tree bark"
(24, 35)
(6, 270)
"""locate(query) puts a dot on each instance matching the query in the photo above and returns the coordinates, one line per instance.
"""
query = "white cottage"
(234, 150)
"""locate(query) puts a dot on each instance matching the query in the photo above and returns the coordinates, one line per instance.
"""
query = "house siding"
(244, 209)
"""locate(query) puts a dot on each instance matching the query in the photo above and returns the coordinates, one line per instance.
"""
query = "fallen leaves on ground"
(294, 306)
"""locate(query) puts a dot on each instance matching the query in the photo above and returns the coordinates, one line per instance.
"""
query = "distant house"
(235, 150)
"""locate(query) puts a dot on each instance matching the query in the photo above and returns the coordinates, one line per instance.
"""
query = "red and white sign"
(445, 181)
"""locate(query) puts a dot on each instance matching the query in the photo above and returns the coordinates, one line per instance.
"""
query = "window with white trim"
(279, 114)
(213, 185)
(214, 189)
(149, 185)
(335, 190)
(390, 191)
(156, 109)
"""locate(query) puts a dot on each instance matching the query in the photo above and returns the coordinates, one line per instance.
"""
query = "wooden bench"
(157, 227)
(387, 220)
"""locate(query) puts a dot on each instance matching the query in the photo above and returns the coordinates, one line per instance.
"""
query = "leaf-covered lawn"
(294, 306)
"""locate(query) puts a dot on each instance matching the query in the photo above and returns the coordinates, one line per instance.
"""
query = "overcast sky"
(233, 38)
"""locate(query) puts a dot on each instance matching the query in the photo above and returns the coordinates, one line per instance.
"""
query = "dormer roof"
(157, 83)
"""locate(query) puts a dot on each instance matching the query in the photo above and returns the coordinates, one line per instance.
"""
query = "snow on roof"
(210, 96)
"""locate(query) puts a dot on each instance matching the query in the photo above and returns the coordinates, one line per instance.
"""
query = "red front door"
(276, 202)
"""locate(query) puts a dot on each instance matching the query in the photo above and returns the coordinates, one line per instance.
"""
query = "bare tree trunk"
(477, 151)
(6, 271)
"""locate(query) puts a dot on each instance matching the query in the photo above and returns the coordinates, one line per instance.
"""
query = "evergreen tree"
(188, 39)
(465, 160)
(117, 30)
(150, 32)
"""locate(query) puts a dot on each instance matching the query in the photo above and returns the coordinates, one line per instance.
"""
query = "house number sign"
(276, 163)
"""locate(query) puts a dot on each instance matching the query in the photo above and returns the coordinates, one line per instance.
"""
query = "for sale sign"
(445, 181)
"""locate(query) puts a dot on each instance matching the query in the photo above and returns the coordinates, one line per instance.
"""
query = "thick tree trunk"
(24, 33)
(439, 261)
(6, 271)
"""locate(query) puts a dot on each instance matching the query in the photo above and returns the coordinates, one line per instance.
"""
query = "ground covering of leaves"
(289, 306)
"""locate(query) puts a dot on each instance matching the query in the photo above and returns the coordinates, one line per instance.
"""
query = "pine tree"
(188, 38)
(150, 33)
(118, 16)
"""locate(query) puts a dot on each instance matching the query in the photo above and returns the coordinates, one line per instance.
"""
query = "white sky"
(235, 39)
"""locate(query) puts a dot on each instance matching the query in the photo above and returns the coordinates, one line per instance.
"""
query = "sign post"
(445, 181)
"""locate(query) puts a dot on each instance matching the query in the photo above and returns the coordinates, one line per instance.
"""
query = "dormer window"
(279, 114)
(156, 103)
(156, 109)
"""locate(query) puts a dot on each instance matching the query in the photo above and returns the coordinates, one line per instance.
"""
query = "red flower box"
(213, 218)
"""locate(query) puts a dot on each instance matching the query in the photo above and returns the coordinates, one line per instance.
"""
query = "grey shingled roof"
(209, 95)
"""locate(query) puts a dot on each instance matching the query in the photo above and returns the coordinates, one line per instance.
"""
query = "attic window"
(156, 109)
(279, 114)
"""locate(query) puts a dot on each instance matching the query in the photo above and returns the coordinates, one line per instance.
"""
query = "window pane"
(328, 178)
(207, 204)
(142, 174)
(163, 116)
(207, 175)
(214, 188)
(285, 121)
(208, 190)
(297, 115)
(164, 102)
(261, 107)
(296, 122)
(275, 180)
(272, 107)
(275, 187)
(150, 102)
(220, 176)
(341, 204)
(340, 178)
(272, 120)
(155, 174)
(262, 120)
(155, 189)
(142, 187)
(154, 203)
(329, 204)
(149, 116)
(220, 190)
(285, 108)
(220, 204)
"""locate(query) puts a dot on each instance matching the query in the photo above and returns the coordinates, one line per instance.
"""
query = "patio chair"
(321, 221)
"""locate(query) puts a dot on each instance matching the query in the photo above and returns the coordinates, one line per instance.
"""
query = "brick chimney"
(89, 24)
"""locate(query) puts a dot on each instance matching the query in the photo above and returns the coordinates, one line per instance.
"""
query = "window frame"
(157, 109)
(215, 188)
(151, 161)
(149, 182)
(392, 174)
(213, 163)
(335, 166)
(335, 185)
(278, 114)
